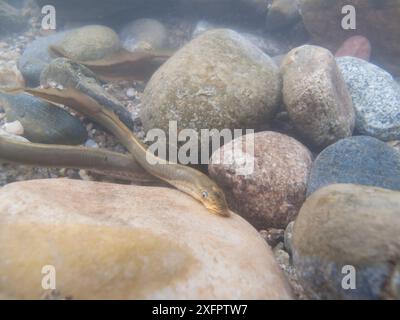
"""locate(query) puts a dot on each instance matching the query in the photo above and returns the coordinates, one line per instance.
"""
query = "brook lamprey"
(184, 178)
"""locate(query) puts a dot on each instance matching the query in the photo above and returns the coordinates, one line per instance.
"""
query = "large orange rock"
(109, 241)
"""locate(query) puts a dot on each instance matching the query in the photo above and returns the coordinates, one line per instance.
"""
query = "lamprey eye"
(204, 194)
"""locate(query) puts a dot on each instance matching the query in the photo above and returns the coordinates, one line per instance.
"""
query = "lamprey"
(123, 65)
(184, 178)
(100, 161)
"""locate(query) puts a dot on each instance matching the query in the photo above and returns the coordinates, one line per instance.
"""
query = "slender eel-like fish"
(184, 178)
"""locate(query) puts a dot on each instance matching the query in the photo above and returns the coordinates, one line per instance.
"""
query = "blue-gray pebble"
(358, 160)
(376, 98)
(36, 57)
(43, 122)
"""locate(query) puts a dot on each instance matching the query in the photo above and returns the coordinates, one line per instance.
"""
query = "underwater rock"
(11, 19)
(201, 27)
(14, 128)
(377, 20)
(357, 47)
(279, 59)
(345, 231)
(316, 96)
(144, 34)
(269, 43)
(394, 144)
(109, 241)
(376, 98)
(10, 77)
(282, 14)
(272, 236)
(11, 136)
(37, 56)
(90, 43)
(356, 160)
(219, 80)
(68, 74)
(269, 189)
(288, 237)
(43, 122)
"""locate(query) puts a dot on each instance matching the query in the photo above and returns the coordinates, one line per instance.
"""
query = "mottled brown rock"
(376, 20)
(219, 80)
(109, 241)
(316, 96)
(349, 225)
(273, 193)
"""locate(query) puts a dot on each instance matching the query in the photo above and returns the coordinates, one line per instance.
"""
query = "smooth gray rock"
(358, 160)
(37, 56)
(144, 34)
(43, 122)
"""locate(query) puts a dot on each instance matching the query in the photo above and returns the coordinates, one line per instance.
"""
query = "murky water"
(287, 112)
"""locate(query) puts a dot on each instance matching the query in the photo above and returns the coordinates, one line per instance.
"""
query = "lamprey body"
(184, 178)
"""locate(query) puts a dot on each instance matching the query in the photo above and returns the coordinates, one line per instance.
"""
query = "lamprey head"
(214, 200)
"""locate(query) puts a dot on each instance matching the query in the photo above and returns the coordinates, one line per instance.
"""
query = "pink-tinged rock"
(356, 46)
(109, 241)
(271, 194)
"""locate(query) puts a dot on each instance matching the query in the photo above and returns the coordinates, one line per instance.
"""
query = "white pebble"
(15, 128)
(91, 144)
(130, 93)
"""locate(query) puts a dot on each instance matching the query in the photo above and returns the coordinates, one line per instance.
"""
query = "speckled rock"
(349, 230)
(219, 80)
(357, 160)
(272, 193)
(376, 98)
(377, 20)
(316, 96)
(90, 43)
(109, 241)
(43, 122)
(356, 46)
(282, 14)
(144, 34)
(64, 72)
(36, 57)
